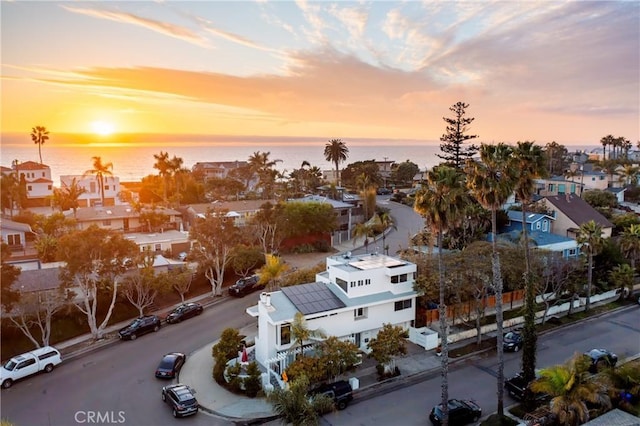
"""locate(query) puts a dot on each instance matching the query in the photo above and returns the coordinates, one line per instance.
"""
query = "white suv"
(21, 366)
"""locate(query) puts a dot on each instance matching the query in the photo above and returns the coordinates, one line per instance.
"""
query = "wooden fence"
(468, 309)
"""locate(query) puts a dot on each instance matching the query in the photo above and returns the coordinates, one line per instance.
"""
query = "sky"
(540, 71)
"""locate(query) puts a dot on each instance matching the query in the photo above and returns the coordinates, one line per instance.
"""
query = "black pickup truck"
(516, 386)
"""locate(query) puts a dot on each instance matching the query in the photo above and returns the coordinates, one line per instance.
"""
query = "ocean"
(133, 162)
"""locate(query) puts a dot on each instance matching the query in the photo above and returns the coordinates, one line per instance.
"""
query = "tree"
(441, 204)
(555, 154)
(94, 263)
(556, 272)
(216, 235)
(591, 242)
(180, 280)
(301, 333)
(39, 135)
(622, 277)
(530, 164)
(101, 172)
(35, 311)
(491, 181)
(245, 259)
(386, 221)
(387, 345)
(295, 407)
(630, 244)
(8, 275)
(163, 166)
(263, 167)
(226, 349)
(607, 141)
(404, 172)
(272, 271)
(454, 153)
(49, 229)
(570, 388)
(68, 196)
(142, 286)
(629, 174)
(12, 191)
(336, 152)
(362, 230)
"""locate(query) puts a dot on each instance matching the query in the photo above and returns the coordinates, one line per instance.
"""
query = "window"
(13, 240)
(49, 187)
(29, 188)
(106, 222)
(285, 334)
(106, 187)
(47, 355)
(43, 174)
(561, 188)
(545, 225)
(360, 313)
(26, 363)
(402, 304)
(395, 279)
(367, 281)
(572, 252)
(158, 247)
(551, 187)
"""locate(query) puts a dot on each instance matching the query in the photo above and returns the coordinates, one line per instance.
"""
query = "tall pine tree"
(453, 152)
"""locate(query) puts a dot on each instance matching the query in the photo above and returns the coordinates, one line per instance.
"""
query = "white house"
(92, 196)
(352, 299)
(37, 180)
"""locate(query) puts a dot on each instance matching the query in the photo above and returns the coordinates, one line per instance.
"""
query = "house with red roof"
(37, 180)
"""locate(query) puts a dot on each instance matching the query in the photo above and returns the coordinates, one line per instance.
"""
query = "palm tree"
(590, 241)
(67, 197)
(530, 163)
(336, 152)
(629, 174)
(100, 171)
(491, 181)
(163, 166)
(272, 270)
(300, 331)
(441, 203)
(630, 244)
(622, 276)
(362, 230)
(295, 407)
(260, 164)
(570, 388)
(386, 222)
(606, 140)
(39, 135)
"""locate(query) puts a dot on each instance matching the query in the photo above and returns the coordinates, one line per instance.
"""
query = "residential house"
(558, 185)
(241, 211)
(570, 212)
(539, 231)
(216, 169)
(14, 234)
(171, 241)
(123, 218)
(352, 300)
(37, 180)
(92, 195)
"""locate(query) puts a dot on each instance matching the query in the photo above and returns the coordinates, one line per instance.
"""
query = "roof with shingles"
(31, 165)
(235, 206)
(37, 280)
(117, 211)
(15, 226)
(578, 210)
(615, 417)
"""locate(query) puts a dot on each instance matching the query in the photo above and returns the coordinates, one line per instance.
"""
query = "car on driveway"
(600, 359)
(244, 286)
(461, 412)
(170, 365)
(183, 312)
(512, 341)
(181, 399)
(139, 326)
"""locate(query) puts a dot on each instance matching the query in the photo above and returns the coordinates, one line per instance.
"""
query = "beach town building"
(36, 178)
(351, 299)
(125, 218)
(92, 196)
(570, 212)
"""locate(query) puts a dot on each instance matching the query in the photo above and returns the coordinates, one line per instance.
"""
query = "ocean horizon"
(134, 160)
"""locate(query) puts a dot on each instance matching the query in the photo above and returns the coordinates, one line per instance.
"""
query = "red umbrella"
(245, 357)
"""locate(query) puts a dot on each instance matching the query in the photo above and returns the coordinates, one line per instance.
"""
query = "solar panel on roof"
(312, 298)
(376, 262)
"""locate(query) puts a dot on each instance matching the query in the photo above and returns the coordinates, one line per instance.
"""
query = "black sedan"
(170, 365)
(461, 412)
(244, 286)
(512, 341)
(184, 312)
(139, 326)
(600, 359)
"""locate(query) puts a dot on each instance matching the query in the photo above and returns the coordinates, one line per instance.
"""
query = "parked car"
(512, 341)
(340, 391)
(181, 400)
(461, 412)
(170, 365)
(139, 326)
(516, 386)
(21, 366)
(383, 191)
(601, 359)
(183, 312)
(244, 286)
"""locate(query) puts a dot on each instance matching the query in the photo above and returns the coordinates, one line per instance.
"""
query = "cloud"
(171, 30)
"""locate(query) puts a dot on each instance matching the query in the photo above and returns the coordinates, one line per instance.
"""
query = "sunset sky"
(539, 71)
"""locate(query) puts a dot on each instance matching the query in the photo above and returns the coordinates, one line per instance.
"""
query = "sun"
(102, 128)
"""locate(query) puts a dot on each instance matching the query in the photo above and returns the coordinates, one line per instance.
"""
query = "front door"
(125, 223)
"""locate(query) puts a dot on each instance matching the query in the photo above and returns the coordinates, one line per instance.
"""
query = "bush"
(253, 383)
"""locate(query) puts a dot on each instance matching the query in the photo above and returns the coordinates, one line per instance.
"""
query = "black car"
(383, 191)
(461, 412)
(512, 341)
(183, 312)
(600, 359)
(170, 365)
(140, 326)
(340, 391)
(181, 400)
(244, 286)
(517, 386)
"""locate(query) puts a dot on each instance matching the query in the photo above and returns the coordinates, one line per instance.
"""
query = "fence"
(468, 309)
